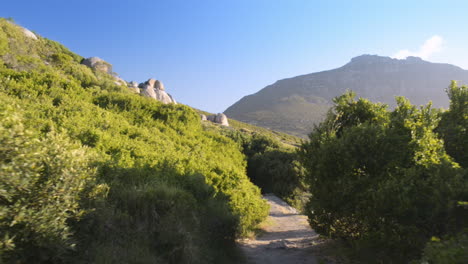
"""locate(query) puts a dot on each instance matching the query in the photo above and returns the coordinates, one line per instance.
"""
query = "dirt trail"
(287, 238)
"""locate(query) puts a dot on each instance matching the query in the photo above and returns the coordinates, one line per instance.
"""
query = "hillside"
(92, 172)
(294, 105)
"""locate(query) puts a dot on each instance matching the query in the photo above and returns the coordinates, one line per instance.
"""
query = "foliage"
(454, 124)
(452, 250)
(273, 166)
(42, 182)
(177, 192)
(278, 171)
(380, 179)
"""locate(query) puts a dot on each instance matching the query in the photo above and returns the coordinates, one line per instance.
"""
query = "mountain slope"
(92, 172)
(294, 105)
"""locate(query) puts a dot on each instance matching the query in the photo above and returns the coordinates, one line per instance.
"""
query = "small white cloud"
(430, 46)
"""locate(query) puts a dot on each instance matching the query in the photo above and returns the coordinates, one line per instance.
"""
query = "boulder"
(148, 91)
(98, 64)
(219, 118)
(164, 97)
(222, 119)
(151, 82)
(28, 33)
(203, 117)
(154, 89)
(159, 85)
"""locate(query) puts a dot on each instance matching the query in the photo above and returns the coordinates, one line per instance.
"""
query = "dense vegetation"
(272, 159)
(273, 166)
(382, 181)
(92, 173)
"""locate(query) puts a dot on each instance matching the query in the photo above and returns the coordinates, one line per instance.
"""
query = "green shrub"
(452, 250)
(454, 124)
(380, 180)
(42, 182)
(272, 166)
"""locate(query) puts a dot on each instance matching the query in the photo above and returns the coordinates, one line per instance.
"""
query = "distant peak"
(368, 59)
(414, 59)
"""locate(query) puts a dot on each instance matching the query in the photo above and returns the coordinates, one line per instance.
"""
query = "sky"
(211, 53)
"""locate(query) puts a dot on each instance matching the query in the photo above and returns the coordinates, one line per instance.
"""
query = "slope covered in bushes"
(141, 182)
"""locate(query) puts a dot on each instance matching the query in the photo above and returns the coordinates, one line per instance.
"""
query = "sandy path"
(288, 238)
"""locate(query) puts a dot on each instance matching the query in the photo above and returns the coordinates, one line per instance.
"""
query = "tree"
(454, 124)
(380, 179)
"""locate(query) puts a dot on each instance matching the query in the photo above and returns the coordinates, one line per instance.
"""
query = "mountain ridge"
(293, 105)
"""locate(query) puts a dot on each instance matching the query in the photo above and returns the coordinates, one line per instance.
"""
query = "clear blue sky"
(211, 53)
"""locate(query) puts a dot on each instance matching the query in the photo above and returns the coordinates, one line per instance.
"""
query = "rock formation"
(28, 33)
(155, 89)
(151, 88)
(219, 118)
(98, 64)
(203, 117)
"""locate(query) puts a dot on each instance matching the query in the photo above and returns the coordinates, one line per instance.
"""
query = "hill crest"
(294, 105)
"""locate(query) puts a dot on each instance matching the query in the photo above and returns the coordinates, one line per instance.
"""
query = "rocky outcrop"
(203, 117)
(219, 118)
(159, 85)
(28, 33)
(151, 88)
(98, 64)
(155, 89)
(101, 65)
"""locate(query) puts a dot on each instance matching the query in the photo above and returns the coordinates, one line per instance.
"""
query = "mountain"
(295, 104)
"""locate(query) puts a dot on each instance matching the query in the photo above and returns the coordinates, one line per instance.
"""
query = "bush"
(42, 182)
(454, 124)
(452, 250)
(272, 166)
(380, 180)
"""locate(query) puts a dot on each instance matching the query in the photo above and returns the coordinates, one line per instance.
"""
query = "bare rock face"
(98, 64)
(148, 91)
(151, 82)
(159, 85)
(28, 33)
(163, 97)
(219, 118)
(155, 89)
